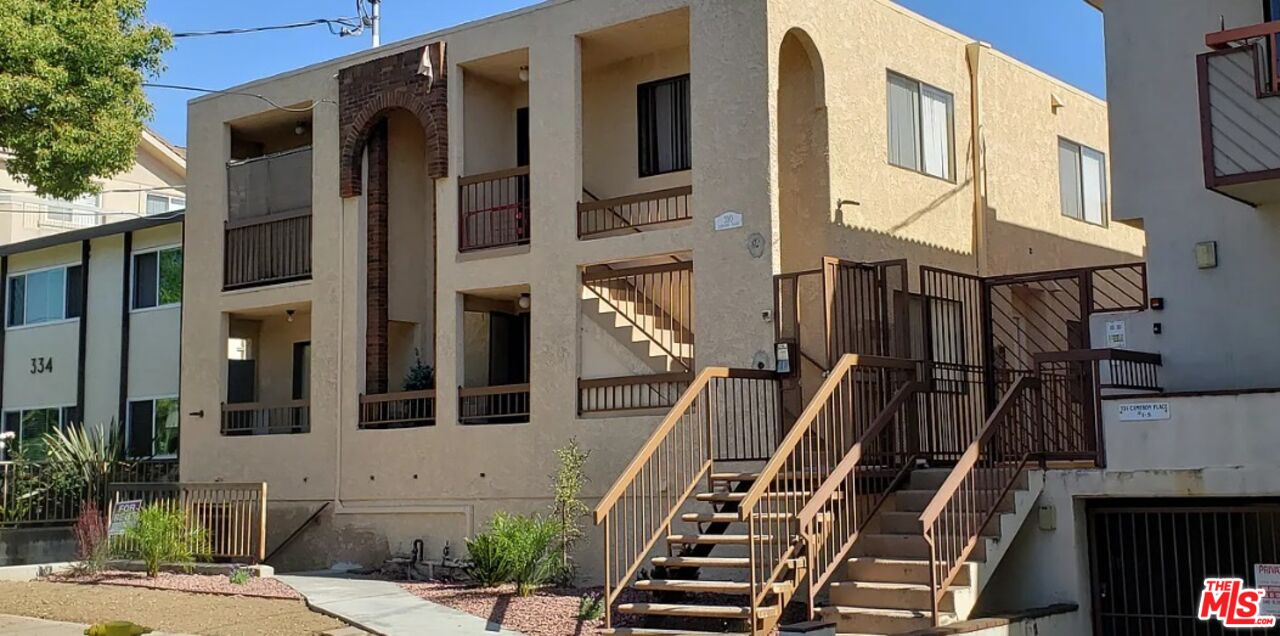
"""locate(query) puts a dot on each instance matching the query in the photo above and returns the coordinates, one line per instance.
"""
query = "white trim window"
(30, 425)
(1082, 181)
(157, 278)
(921, 127)
(85, 211)
(45, 295)
(152, 429)
(163, 203)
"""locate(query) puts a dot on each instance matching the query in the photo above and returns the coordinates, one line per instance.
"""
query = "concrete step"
(917, 500)
(865, 620)
(890, 570)
(904, 546)
(694, 611)
(909, 523)
(905, 596)
(933, 478)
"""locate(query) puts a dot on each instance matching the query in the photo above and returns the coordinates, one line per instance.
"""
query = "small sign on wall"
(1266, 576)
(1116, 334)
(1144, 411)
(728, 220)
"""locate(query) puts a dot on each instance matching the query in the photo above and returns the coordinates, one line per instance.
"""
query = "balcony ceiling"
(631, 39)
(503, 68)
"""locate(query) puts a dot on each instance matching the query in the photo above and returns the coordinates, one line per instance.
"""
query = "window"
(29, 427)
(84, 211)
(1082, 178)
(921, 129)
(663, 112)
(157, 278)
(45, 296)
(162, 203)
(153, 428)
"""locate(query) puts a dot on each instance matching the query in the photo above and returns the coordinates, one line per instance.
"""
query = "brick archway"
(366, 92)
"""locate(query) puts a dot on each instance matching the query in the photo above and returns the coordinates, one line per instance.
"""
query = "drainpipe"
(973, 53)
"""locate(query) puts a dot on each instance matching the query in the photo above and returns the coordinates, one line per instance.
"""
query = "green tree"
(71, 101)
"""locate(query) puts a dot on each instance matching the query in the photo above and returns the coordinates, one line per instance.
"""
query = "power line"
(107, 191)
(341, 27)
(197, 89)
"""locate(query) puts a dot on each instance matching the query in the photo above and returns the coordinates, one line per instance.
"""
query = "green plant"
(85, 456)
(516, 549)
(591, 607)
(421, 376)
(567, 507)
(239, 576)
(162, 535)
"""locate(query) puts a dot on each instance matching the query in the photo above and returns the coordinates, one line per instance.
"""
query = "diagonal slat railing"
(724, 415)
(986, 473)
(847, 405)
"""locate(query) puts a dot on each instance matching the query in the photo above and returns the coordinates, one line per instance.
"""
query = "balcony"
(267, 234)
(253, 418)
(268, 372)
(1240, 113)
(493, 209)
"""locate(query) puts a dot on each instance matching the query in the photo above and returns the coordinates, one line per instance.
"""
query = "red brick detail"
(367, 91)
(378, 262)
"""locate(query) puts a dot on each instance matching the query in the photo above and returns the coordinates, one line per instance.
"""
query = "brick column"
(377, 264)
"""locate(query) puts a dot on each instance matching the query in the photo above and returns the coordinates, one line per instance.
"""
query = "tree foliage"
(71, 100)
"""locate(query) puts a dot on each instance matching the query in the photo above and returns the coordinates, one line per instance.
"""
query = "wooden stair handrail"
(851, 459)
(798, 430)
(628, 474)
(970, 457)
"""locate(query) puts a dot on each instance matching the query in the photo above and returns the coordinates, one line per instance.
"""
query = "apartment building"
(154, 185)
(547, 206)
(92, 334)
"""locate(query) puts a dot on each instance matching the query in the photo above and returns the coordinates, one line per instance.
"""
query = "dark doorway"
(522, 137)
(508, 348)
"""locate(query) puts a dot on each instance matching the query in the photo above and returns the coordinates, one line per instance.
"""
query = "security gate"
(1149, 559)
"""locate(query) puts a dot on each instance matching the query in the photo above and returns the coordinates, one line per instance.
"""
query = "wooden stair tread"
(711, 562)
(847, 610)
(709, 587)
(752, 476)
(649, 631)
(879, 585)
(730, 517)
(739, 496)
(729, 539)
(887, 560)
(694, 611)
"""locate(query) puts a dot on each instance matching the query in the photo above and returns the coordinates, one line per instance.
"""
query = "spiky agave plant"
(88, 455)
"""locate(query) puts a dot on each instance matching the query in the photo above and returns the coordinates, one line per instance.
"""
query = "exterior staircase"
(647, 312)
(886, 587)
(700, 586)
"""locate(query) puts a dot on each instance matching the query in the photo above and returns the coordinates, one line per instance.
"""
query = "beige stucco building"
(546, 206)
(154, 185)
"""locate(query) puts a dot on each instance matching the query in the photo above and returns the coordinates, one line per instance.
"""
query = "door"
(508, 349)
(241, 381)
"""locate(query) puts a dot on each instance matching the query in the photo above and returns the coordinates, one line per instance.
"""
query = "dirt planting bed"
(201, 583)
(549, 612)
(162, 610)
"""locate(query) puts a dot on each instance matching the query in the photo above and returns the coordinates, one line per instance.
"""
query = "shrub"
(91, 538)
(515, 549)
(421, 376)
(162, 535)
(567, 508)
(591, 607)
(239, 576)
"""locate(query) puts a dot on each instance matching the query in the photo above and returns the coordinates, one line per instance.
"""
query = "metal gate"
(1148, 560)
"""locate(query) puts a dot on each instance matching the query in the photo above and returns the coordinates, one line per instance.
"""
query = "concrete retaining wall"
(23, 546)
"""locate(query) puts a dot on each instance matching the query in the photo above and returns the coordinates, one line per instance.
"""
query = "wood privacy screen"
(493, 209)
(234, 516)
(267, 251)
(598, 218)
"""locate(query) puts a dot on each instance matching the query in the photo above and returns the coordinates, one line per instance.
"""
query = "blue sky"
(1060, 37)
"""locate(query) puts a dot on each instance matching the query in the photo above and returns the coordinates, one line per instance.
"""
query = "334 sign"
(41, 365)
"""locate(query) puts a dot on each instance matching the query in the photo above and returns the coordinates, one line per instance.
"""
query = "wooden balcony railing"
(267, 250)
(507, 404)
(233, 516)
(724, 415)
(253, 418)
(839, 461)
(631, 393)
(493, 209)
(410, 409)
(633, 213)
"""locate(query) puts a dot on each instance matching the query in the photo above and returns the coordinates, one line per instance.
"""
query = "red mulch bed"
(549, 612)
(199, 583)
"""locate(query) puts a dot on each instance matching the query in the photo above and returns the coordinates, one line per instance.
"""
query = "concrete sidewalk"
(384, 608)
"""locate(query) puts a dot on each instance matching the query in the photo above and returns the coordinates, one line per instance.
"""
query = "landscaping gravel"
(549, 612)
(205, 584)
(162, 610)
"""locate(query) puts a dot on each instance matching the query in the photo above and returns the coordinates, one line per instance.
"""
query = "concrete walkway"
(384, 608)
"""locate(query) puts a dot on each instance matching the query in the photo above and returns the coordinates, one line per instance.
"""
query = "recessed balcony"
(1240, 113)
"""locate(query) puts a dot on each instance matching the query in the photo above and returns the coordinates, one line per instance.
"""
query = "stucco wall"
(1217, 325)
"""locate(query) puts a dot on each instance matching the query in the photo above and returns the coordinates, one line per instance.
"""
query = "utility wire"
(196, 89)
(337, 26)
(108, 190)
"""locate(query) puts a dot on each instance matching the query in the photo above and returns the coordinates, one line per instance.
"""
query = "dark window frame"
(648, 141)
(135, 304)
